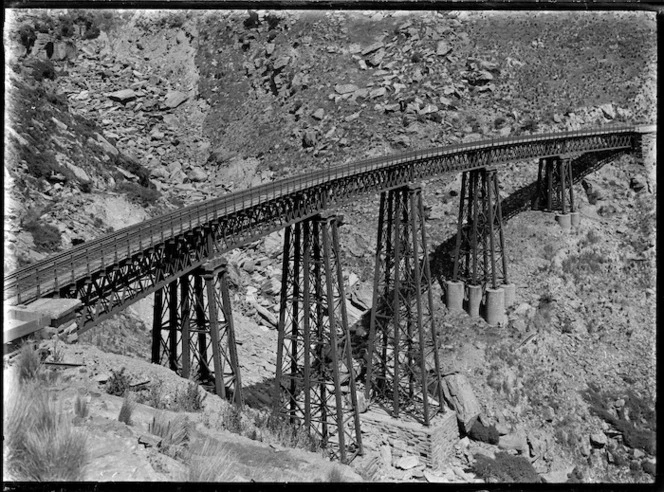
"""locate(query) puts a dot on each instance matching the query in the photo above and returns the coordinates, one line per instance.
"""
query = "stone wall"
(433, 445)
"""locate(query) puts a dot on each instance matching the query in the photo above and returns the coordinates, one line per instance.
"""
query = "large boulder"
(197, 174)
(309, 138)
(460, 396)
(174, 98)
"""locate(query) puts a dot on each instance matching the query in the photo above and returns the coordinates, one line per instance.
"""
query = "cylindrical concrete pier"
(564, 220)
(454, 299)
(575, 219)
(495, 306)
(474, 300)
(510, 294)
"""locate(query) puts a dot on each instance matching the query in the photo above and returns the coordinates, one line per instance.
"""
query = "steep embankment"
(127, 115)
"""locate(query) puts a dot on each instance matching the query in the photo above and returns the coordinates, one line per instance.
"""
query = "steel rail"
(47, 276)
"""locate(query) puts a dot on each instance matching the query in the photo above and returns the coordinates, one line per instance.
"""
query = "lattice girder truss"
(479, 256)
(193, 331)
(315, 380)
(402, 337)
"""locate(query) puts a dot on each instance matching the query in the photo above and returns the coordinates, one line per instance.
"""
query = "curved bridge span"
(113, 271)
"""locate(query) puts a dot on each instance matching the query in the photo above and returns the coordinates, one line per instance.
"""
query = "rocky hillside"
(115, 117)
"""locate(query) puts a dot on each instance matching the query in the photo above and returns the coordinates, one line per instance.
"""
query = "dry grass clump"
(126, 410)
(210, 464)
(175, 434)
(81, 407)
(40, 443)
(335, 475)
(189, 399)
(273, 427)
(28, 364)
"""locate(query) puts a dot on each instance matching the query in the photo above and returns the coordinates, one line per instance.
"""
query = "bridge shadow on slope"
(259, 395)
(441, 259)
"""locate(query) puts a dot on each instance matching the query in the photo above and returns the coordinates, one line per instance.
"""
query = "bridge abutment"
(315, 380)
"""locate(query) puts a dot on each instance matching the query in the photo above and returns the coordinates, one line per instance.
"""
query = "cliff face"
(113, 118)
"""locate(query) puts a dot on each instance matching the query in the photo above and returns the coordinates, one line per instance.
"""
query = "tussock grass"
(335, 475)
(81, 407)
(172, 432)
(40, 443)
(272, 427)
(210, 464)
(189, 399)
(28, 364)
(126, 410)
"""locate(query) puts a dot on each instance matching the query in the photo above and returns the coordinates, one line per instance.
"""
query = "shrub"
(633, 436)
(81, 407)
(28, 364)
(154, 397)
(40, 442)
(131, 165)
(530, 125)
(586, 263)
(91, 32)
(138, 194)
(649, 467)
(480, 432)
(233, 419)
(27, 36)
(126, 410)
(591, 238)
(118, 383)
(505, 468)
(46, 236)
(189, 399)
(42, 69)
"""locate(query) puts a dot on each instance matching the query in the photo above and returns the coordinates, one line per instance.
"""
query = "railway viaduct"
(178, 257)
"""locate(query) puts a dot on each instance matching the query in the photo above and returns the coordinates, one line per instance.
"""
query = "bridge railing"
(67, 267)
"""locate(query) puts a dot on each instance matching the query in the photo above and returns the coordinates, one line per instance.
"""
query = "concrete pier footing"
(495, 305)
(474, 300)
(564, 220)
(510, 294)
(575, 219)
(454, 298)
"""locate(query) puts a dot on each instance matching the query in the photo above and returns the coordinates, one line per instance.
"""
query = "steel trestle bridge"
(179, 257)
(212, 227)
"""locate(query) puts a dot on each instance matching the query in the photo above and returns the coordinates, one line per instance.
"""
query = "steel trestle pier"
(193, 330)
(315, 380)
(479, 255)
(554, 185)
(402, 358)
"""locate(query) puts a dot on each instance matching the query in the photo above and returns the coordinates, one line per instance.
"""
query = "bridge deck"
(241, 217)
